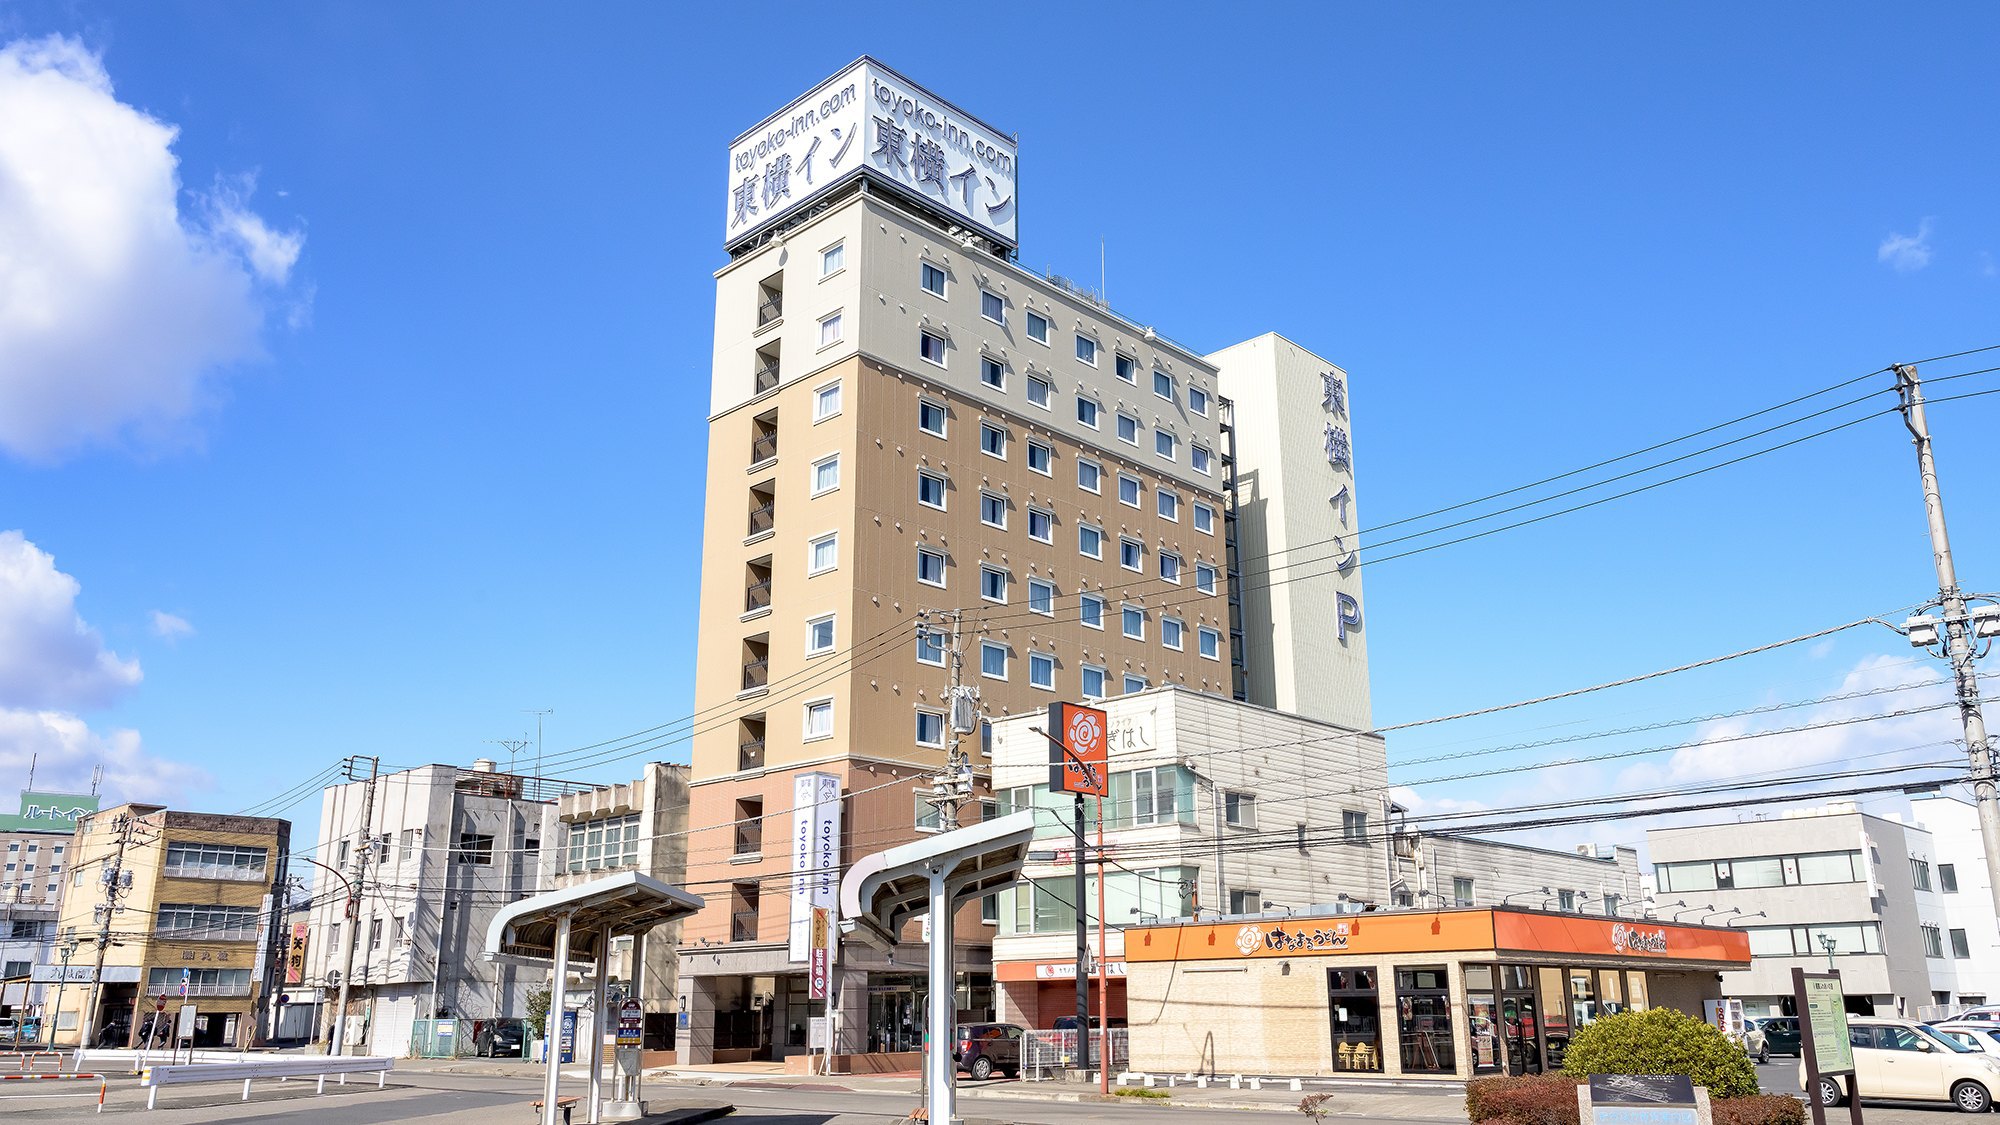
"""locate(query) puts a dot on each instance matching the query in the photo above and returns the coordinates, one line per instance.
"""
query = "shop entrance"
(1354, 1007)
(1517, 1020)
(895, 1014)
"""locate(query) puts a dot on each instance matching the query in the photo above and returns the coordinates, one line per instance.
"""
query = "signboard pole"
(1103, 986)
(1082, 948)
(1079, 763)
(1823, 1042)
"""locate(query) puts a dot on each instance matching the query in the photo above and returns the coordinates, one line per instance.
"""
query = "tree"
(1662, 1041)
(538, 1012)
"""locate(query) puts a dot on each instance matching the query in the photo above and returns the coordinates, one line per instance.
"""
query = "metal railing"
(743, 926)
(749, 839)
(767, 376)
(1044, 1054)
(770, 310)
(763, 447)
(763, 518)
(749, 753)
(757, 597)
(756, 673)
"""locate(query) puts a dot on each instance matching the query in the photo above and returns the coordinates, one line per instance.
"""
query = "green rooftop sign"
(48, 812)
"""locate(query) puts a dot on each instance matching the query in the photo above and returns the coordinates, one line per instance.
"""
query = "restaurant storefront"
(1446, 994)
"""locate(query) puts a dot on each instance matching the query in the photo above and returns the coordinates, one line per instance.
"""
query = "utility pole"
(116, 882)
(362, 846)
(953, 786)
(1957, 630)
(68, 947)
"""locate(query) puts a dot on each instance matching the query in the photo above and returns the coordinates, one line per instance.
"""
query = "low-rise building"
(33, 848)
(1967, 972)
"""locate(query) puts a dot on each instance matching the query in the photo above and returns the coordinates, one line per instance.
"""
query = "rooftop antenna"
(1103, 287)
(32, 759)
(538, 735)
(514, 746)
(96, 779)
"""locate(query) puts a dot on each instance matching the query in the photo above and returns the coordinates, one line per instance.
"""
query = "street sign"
(186, 975)
(566, 1041)
(184, 1022)
(1823, 1041)
(160, 1005)
(631, 1024)
(820, 953)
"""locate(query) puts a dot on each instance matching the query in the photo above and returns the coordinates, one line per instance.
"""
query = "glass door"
(1482, 1019)
(1518, 1025)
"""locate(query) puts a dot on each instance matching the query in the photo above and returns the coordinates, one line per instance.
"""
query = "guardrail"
(317, 1066)
(1046, 1053)
(27, 1057)
(102, 1084)
(132, 1062)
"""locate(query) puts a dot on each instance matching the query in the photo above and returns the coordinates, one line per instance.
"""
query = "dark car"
(984, 1048)
(501, 1039)
(1781, 1035)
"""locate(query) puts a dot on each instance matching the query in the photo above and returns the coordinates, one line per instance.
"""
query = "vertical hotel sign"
(815, 855)
(870, 121)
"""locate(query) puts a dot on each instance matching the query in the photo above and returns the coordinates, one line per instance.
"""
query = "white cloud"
(171, 626)
(65, 751)
(1907, 253)
(1986, 266)
(117, 312)
(48, 655)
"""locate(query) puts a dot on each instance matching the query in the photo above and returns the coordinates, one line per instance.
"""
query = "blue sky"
(407, 413)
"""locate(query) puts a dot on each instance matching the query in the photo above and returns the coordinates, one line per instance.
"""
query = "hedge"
(1550, 1099)
(1662, 1041)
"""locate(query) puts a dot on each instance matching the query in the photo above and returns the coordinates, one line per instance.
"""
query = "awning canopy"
(627, 903)
(883, 891)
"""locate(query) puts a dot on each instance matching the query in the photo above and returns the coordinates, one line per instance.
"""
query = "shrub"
(1760, 1109)
(1662, 1041)
(1535, 1099)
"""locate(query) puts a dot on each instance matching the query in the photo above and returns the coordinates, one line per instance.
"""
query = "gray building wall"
(1519, 873)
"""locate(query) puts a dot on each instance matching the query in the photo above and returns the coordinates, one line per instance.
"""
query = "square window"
(819, 719)
(1041, 458)
(1168, 504)
(1204, 578)
(1198, 401)
(1086, 349)
(1089, 541)
(1134, 683)
(1091, 611)
(930, 647)
(1128, 490)
(930, 728)
(992, 440)
(1042, 597)
(1127, 368)
(1042, 670)
(1038, 327)
(829, 330)
(1038, 391)
(1093, 682)
(1170, 567)
(1211, 643)
(992, 374)
(1088, 475)
(1041, 525)
(1163, 444)
(826, 402)
(993, 660)
(933, 279)
(993, 510)
(1163, 385)
(930, 567)
(1204, 518)
(930, 417)
(1086, 411)
(823, 554)
(1171, 629)
(930, 345)
(1128, 429)
(993, 584)
(1132, 621)
(1131, 554)
(826, 474)
(1198, 456)
(819, 635)
(992, 308)
(832, 259)
(930, 490)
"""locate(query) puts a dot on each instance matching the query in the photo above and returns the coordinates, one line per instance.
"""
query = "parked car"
(1754, 1043)
(1781, 1035)
(501, 1039)
(10, 1029)
(984, 1048)
(1904, 1060)
(1985, 1013)
(1985, 1036)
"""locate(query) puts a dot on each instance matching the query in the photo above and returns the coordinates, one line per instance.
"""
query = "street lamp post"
(1746, 918)
(1692, 910)
(1827, 943)
(1530, 891)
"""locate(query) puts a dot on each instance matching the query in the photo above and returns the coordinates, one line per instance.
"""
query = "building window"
(216, 861)
(1086, 349)
(1170, 567)
(993, 510)
(992, 373)
(1038, 327)
(1353, 826)
(826, 402)
(1168, 504)
(1132, 621)
(1131, 554)
(1961, 949)
(1948, 878)
(1128, 428)
(1171, 630)
(1566, 901)
(1093, 682)
(1239, 810)
(1127, 368)
(375, 933)
(930, 490)
(1933, 940)
(473, 848)
(993, 584)
(1198, 458)
(1041, 458)
(819, 635)
(992, 440)
(819, 719)
(1163, 444)
(1424, 1015)
(196, 922)
(1807, 869)
(930, 417)
(1042, 670)
(1204, 578)
(1038, 391)
(1461, 891)
(1041, 525)
(1089, 475)
(1163, 385)
(993, 660)
(1134, 684)
(1086, 411)
(823, 554)
(992, 308)
(829, 329)
(200, 982)
(409, 846)
(1089, 541)
(932, 278)
(930, 567)
(826, 474)
(1210, 641)
(930, 647)
(1611, 904)
(832, 259)
(1128, 490)
(1920, 873)
(1198, 401)
(930, 728)
(1204, 518)
(1091, 611)
(1042, 597)
(930, 346)
(1246, 902)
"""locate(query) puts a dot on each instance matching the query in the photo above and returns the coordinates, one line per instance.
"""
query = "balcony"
(767, 376)
(756, 674)
(771, 309)
(743, 926)
(764, 448)
(750, 754)
(757, 597)
(750, 838)
(763, 518)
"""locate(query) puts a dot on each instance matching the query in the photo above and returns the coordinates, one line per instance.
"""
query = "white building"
(33, 850)
(1968, 973)
(451, 846)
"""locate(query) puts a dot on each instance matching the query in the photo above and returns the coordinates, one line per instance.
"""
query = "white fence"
(1046, 1054)
(282, 1066)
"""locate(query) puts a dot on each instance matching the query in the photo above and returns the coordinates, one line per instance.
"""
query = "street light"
(1692, 910)
(1720, 913)
(1746, 918)
(1532, 891)
(1827, 943)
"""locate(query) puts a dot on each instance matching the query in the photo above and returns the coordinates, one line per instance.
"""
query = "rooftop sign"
(49, 812)
(870, 121)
